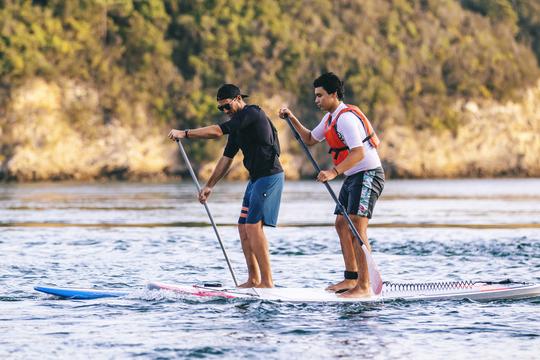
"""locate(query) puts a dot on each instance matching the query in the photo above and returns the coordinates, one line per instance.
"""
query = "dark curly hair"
(331, 83)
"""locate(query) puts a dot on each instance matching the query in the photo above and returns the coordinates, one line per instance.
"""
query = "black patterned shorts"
(360, 192)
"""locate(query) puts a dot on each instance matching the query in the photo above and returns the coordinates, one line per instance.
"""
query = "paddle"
(194, 177)
(375, 278)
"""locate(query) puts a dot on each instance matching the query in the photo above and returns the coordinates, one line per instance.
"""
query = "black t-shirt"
(251, 131)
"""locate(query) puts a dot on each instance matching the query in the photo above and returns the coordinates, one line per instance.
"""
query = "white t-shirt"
(353, 132)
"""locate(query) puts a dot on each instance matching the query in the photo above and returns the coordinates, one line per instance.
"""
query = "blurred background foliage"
(404, 62)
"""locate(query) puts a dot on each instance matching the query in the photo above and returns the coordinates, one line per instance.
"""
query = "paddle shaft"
(194, 177)
(328, 187)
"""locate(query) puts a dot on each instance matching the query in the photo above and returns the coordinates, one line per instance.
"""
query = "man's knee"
(361, 225)
(340, 222)
(360, 222)
(253, 228)
(242, 230)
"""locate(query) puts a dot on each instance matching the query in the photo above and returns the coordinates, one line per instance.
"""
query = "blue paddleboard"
(84, 294)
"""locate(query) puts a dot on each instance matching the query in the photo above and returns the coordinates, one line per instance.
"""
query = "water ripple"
(122, 235)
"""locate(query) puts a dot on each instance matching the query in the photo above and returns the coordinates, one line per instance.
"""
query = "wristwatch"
(186, 133)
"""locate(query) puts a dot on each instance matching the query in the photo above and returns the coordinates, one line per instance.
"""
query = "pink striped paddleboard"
(480, 291)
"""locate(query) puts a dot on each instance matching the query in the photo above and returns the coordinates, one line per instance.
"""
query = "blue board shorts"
(360, 192)
(262, 199)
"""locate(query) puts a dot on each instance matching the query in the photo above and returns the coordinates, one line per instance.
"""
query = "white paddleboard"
(410, 292)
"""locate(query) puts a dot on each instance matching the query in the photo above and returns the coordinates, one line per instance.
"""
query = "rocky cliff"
(42, 141)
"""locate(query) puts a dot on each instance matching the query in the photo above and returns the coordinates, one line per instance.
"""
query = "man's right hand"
(204, 194)
(285, 112)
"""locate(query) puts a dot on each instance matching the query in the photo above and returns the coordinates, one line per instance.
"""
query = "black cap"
(229, 91)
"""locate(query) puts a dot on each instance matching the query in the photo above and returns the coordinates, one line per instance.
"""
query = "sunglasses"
(224, 107)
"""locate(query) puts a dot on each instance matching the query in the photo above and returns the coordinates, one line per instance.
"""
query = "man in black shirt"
(251, 131)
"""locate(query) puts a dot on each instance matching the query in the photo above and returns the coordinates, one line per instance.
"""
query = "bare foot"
(342, 285)
(248, 284)
(265, 285)
(357, 292)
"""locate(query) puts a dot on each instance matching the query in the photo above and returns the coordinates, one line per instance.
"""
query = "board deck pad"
(480, 291)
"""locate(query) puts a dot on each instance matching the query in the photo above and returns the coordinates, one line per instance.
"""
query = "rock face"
(496, 140)
(54, 131)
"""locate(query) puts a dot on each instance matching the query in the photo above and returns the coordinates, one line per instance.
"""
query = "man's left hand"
(326, 175)
(176, 134)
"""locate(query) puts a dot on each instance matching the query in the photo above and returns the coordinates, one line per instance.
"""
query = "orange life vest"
(335, 139)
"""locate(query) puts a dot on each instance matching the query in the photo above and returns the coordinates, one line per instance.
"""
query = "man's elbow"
(226, 162)
(358, 154)
(216, 132)
(310, 141)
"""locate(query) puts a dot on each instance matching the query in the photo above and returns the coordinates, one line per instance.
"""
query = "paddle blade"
(375, 278)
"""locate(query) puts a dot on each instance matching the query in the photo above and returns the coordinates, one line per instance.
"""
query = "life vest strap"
(368, 137)
(366, 124)
(336, 151)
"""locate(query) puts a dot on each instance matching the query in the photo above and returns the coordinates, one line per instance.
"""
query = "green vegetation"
(403, 61)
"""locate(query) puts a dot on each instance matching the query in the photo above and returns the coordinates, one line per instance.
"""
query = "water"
(122, 235)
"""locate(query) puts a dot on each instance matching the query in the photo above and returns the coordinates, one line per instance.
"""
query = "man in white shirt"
(353, 145)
